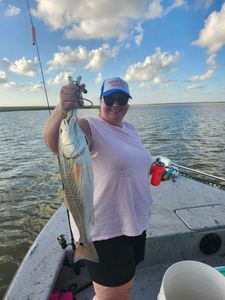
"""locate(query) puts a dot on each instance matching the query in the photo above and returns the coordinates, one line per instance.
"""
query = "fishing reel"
(62, 240)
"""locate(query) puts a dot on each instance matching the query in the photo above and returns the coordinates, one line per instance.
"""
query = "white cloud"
(203, 77)
(9, 84)
(22, 66)
(12, 11)
(68, 56)
(60, 79)
(4, 83)
(161, 80)
(84, 19)
(98, 79)
(176, 4)
(99, 56)
(3, 78)
(140, 33)
(194, 87)
(93, 59)
(205, 4)
(94, 29)
(157, 10)
(211, 61)
(33, 88)
(212, 36)
(153, 68)
(105, 19)
(211, 65)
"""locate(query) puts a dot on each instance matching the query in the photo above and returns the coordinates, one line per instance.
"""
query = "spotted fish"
(77, 177)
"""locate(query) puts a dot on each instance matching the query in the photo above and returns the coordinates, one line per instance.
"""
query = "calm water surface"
(30, 186)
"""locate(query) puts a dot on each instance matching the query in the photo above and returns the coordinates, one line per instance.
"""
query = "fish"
(77, 178)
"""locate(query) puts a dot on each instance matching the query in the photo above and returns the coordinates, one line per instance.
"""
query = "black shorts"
(118, 258)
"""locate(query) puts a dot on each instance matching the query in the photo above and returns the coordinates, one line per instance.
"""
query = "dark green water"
(30, 186)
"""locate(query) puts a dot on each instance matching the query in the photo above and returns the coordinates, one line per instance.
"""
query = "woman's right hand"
(70, 97)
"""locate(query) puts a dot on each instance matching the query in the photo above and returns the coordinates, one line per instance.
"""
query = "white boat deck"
(183, 212)
(170, 240)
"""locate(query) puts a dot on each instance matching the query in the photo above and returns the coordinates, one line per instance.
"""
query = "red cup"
(157, 173)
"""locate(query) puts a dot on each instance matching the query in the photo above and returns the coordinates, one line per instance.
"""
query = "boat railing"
(197, 172)
(192, 173)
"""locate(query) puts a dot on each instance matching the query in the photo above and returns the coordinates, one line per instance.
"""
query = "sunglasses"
(121, 99)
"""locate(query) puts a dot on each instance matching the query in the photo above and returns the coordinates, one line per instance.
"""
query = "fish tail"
(87, 252)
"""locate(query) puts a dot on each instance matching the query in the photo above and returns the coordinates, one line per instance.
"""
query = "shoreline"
(29, 108)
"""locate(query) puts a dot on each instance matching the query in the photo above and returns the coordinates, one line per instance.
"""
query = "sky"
(169, 51)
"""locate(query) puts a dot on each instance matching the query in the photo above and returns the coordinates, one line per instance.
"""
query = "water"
(30, 186)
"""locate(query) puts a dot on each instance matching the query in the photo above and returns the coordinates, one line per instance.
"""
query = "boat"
(187, 223)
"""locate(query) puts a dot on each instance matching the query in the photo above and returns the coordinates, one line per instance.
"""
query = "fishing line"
(80, 88)
(34, 41)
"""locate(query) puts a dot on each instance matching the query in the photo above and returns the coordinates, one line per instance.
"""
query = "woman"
(122, 199)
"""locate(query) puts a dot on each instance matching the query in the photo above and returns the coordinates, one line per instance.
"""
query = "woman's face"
(115, 112)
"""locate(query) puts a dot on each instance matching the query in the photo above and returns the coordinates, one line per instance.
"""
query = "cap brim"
(110, 92)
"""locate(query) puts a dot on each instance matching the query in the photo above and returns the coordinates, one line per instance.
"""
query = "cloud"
(156, 9)
(33, 88)
(60, 79)
(12, 11)
(99, 56)
(21, 66)
(212, 36)
(176, 4)
(98, 79)
(202, 4)
(161, 80)
(211, 61)
(94, 29)
(93, 59)
(211, 64)
(67, 56)
(140, 33)
(3, 78)
(4, 83)
(203, 77)
(194, 87)
(153, 68)
(86, 20)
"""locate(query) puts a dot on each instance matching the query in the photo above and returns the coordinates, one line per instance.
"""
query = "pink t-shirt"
(122, 199)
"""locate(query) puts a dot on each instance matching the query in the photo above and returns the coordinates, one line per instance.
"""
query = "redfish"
(77, 177)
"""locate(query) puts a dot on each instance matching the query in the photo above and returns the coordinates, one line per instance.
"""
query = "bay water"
(190, 134)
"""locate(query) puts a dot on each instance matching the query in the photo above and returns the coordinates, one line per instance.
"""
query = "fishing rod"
(34, 42)
(197, 172)
(61, 238)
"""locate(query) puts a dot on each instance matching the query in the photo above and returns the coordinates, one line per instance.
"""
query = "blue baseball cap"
(115, 85)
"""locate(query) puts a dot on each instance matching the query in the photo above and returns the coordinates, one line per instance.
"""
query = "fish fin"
(87, 252)
(93, 154)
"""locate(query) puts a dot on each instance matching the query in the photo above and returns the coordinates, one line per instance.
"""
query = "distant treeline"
(23, 108)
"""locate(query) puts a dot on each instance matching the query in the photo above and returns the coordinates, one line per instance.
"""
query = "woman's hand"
(70, 97)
